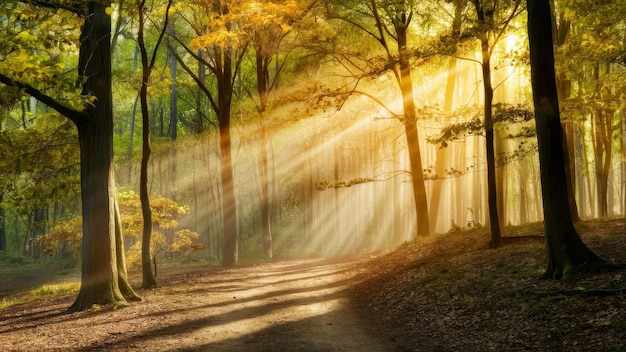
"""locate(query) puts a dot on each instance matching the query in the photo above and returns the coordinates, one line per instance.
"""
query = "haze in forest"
(339, 176)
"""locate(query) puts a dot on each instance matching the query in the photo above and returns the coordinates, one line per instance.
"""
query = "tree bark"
(99, 274)
(567, 254)
(99, 266)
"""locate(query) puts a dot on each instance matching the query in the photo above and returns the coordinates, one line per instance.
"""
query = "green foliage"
(34, 49)
(503, 114)
(324, 185)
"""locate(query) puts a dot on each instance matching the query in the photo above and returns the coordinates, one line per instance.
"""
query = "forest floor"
(444, 293)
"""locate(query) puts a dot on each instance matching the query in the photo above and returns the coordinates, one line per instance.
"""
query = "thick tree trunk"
(99, 275)
(567, 254)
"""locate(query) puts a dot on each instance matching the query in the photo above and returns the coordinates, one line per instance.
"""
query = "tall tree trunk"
(130, 141)
(262, 77)
(146, 238)
(265, 192)
(523, 190)
(173, 123)
(567, 254)
(99, 264)
(570, 167)
(500, 148)
(492, 196)
(440, 157)
(412, 137)
(601, 154)
(99, 268)
(173, 95)
(229, 206)
(3, 232)
(396, 196)
(147, 273)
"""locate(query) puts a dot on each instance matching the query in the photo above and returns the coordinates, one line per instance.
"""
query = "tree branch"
(74, 115)
(53, 5)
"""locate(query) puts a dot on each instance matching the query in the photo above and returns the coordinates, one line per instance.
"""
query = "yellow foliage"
(184, 242)
(165, 213)
(221, 39)
(65, 238)
(133, 254)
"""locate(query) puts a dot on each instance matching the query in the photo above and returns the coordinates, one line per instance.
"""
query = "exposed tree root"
(593, 268)
(584, 292)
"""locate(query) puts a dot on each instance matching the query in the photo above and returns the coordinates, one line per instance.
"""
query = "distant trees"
(590, 51)
(266, 26)
(218, 48)
(344, 86)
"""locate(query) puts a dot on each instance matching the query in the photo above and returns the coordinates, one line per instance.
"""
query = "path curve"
(292, 305)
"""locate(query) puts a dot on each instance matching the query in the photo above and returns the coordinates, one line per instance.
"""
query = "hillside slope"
(452, 293)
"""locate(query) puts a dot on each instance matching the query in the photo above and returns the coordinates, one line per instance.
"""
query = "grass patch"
(43, 292)
(56, 290)
(6, 303)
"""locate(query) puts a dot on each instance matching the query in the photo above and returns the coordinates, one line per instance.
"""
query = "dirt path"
(279, 306)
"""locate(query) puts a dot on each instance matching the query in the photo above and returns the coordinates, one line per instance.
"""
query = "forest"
(137, 133)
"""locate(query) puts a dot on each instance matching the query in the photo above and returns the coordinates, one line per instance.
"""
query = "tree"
(388, 23)
(567, 254)
(147, 65)
(103, 271)
(218, 46)
(440, 158)
(487, 15)
(266, 27)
